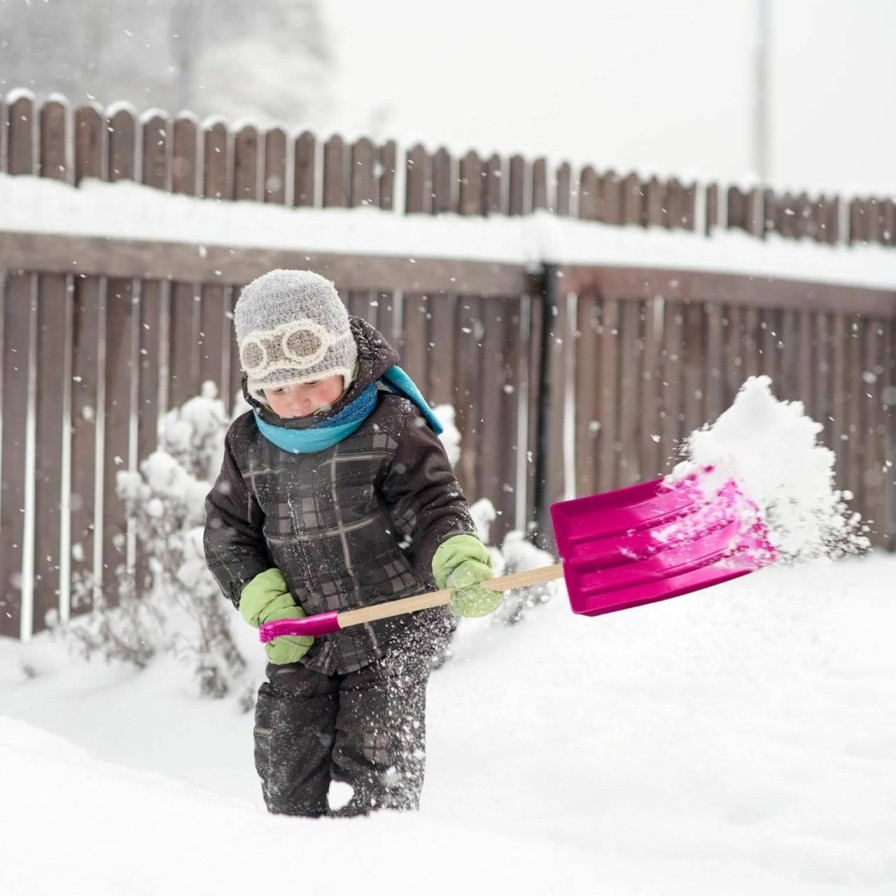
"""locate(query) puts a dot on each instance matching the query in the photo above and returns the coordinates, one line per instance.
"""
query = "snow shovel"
(619, 549)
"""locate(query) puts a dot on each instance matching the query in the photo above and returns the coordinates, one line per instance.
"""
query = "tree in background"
(266, 60)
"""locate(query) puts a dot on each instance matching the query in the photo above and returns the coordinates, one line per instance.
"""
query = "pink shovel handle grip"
(319, 624)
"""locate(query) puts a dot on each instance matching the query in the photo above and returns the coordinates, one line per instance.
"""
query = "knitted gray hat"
(291, 327)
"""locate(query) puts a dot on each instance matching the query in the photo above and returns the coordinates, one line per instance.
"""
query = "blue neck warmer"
(332, 431)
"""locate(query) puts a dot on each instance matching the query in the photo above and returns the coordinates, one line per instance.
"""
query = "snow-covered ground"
(740, 741)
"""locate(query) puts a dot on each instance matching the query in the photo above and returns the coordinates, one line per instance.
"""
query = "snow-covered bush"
(168, 600)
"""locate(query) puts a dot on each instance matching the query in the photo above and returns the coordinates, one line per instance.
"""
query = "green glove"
(265, 599)
(463, 562)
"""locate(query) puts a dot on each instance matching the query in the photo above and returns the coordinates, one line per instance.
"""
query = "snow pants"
(365, 729)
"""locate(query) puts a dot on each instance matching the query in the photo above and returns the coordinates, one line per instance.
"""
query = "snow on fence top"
(208, 159)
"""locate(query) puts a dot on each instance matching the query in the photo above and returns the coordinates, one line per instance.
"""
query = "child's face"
(302, 399)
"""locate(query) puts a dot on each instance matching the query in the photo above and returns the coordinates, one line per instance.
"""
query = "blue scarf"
(332, 431)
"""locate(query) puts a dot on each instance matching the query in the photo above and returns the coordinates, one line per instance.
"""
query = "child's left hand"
(267, 598)
(287, 648)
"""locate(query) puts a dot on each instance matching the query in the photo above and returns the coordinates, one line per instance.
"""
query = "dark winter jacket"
(348, 526)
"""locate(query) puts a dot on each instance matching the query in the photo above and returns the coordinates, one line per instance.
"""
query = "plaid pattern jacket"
(348, 526)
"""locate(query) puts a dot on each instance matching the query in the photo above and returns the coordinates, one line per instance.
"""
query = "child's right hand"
(463, 562)
(265, 599)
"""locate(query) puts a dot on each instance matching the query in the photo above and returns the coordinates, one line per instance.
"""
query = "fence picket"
(336, 191)
(467, 385)
(609, 208)
(18, 304)
(589, 195)
(305, 171)
(443, 182)
(493, 186)
(872, 432)
(442, 349)
(90, 143)
(274, 177)
(857, 400)
(217, 162)
(563, 195)
(363, 185)
(246, 163)
(887, 223)
(387, 160)
(672, 380)
(651, 460)
(498, 362)
(688, 220)
(152, 371)
(155, 153)
(181, 301)
(198, 313)
(20, 127)
(715, 362)
(122, 137)
(52, 383)
(233, 374)
(414, 345)
(822, 397)
(633, 211)
(17, 296)
(54, 143)
(540, 193)
(418, 183)
(184, 152)
(213, 339)
(586, 337)
(516, 203)
(889, 439)
(117, 372)
(90, 161)
(121, 365)
(712, 209)
(693, 347)
(628, 390)
(85, 412)
(857, 231)
(654, 203)
(607, 405)
(470, 189)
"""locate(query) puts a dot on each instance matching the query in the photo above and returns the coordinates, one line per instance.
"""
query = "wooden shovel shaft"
(325, 623)
(439, 598)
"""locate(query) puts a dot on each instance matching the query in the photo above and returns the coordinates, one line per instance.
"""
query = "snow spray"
(771, 449)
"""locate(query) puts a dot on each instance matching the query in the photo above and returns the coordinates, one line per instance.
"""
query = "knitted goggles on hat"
(294, 346)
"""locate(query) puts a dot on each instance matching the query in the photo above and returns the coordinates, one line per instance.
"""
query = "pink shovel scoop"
(619, 549)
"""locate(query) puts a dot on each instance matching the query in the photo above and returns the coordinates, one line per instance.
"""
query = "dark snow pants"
(365, 729)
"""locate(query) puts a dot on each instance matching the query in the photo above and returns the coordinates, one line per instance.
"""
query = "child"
(336, 493)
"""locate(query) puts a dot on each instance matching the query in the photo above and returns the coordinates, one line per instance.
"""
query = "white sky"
(633, 84)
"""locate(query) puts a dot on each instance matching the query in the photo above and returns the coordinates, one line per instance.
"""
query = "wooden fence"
(209, 159)
(567, 381)
(600, 371)
(655, 354)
